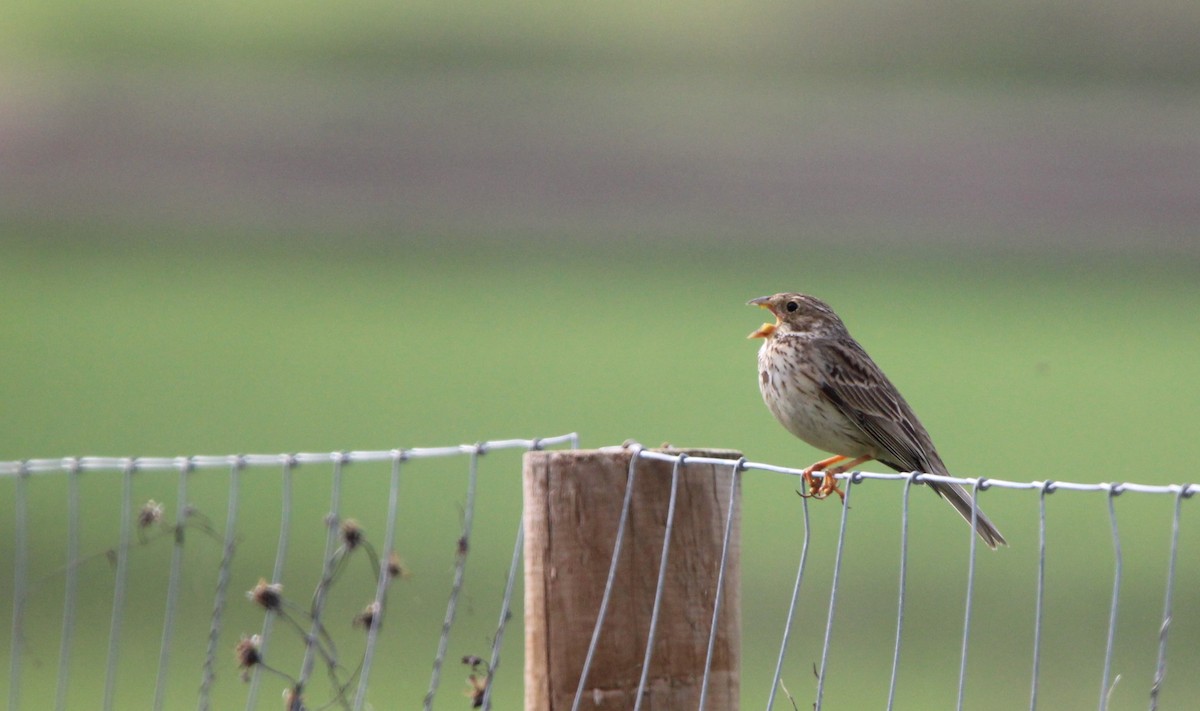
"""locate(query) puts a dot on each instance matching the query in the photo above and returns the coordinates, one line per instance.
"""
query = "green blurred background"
(270, 227)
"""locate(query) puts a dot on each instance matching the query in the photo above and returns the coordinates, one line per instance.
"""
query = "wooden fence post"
(572, 506)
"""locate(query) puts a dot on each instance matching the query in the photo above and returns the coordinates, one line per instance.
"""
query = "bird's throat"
(765, 331)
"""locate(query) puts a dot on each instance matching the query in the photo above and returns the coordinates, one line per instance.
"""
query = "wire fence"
(1179, 492)
(347, 686)
(348, 678)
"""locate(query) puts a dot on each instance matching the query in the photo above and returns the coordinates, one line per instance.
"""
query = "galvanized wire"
(734, 481)
(1039, 611)
(1160, 667)
(903, 586)
(223, 573)
(383, 581)
(822, 674)
(612, 576)
(791, 614)
(23, 472)
(26, 471)
(460, 570)
(661, 584)
(285, 535)
(514, 569)
(35, 467)
(20, 572)
(182, 511)
(122, 576)
(966, 637)
(68, 627)
(977, 484)
(1114, 490)
(43, 466)
(332, 523)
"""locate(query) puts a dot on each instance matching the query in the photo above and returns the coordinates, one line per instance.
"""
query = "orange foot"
(828, 484)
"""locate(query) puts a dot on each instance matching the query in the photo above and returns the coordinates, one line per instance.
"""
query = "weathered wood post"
(573, 503)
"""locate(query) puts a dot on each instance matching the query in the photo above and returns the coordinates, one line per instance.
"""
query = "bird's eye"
(792, 306)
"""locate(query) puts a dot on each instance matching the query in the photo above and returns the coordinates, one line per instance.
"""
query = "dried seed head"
(366, 618)
(269, 596)
(248, 651)
(395, 566)
(352, 534)
(478, 684)
(478, 679)
(292, 700)
(150, 514)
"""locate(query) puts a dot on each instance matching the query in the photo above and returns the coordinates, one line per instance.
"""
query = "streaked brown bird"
(824, 388)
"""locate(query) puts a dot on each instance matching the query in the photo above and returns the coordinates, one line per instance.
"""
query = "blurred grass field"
(1021, 370)
(278, 227)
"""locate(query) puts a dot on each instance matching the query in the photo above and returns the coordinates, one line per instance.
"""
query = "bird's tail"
(961, 500)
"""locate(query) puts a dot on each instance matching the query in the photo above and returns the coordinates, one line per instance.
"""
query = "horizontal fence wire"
(318, 649)
(27, 467)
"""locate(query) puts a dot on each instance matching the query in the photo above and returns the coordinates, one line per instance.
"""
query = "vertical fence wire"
(662, 582)
(383, 582)
(612, 575)
(514, 569)
(20, 565)
(1160, 667)
(903, 585)
(69, 594)
(833, 588)
(1114, 490)
(966, 638)
(223, 574)
(1039, 605)
(118, 608)
(734, 480)
(333, 522)
(285, 533)
(791, 614)
(460, 569)
(182, 510)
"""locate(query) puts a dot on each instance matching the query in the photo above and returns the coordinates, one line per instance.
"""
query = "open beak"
(766, 329)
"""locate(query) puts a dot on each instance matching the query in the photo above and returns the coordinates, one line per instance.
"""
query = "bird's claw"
(821, 489)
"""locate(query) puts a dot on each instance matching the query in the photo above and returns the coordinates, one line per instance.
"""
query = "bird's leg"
(843, 468)
(828, 483)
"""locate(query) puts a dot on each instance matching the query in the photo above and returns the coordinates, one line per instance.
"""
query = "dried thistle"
(269, 596)
(395, 566)
(248, 652)
(150, 514)
(479, 685)
(366, 618)
(352, 534)
(477, 680)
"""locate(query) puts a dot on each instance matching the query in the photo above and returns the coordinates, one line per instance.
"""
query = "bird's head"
(797, 313)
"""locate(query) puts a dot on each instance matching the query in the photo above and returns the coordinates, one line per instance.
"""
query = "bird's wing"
(860, 390)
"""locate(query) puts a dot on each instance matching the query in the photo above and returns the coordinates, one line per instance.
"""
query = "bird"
(821, 385)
